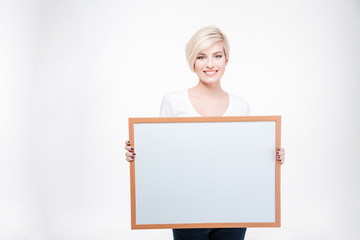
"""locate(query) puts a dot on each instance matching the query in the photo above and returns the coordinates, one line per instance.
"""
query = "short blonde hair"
(202, 39)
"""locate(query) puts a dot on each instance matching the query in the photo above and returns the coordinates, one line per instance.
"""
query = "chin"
(209, 80)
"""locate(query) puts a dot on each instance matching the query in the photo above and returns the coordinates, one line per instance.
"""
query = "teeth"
(210, 72)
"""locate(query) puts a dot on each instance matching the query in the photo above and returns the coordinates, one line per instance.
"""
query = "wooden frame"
(149, 123)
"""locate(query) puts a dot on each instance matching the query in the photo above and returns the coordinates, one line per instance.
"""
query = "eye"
(218, 56)
(201, 57)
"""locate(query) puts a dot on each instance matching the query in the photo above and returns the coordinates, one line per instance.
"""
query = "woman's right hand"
(130, 155)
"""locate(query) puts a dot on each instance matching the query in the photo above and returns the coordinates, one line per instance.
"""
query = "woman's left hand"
(280, 155)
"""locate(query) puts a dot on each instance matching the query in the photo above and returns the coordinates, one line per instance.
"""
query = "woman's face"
(210, 63)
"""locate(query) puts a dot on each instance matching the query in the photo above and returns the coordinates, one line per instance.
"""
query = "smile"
(210, 73)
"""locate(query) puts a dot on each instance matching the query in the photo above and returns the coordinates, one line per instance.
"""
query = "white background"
(72, 72)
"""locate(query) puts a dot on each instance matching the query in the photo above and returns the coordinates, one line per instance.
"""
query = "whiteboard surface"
(205, 172)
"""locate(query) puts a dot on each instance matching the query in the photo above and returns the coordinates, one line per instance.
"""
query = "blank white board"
(205, 172)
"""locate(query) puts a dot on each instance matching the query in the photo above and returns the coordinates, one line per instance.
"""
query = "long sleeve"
(247, 109)
(165, 110)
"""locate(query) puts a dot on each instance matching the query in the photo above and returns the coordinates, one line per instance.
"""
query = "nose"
(210, 63)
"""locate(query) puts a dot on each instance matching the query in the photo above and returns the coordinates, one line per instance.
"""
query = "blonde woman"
(207, 54)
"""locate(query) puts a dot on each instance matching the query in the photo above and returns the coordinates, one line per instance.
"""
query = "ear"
(226, 61)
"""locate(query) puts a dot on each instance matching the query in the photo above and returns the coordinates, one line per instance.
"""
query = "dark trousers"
(209, 234)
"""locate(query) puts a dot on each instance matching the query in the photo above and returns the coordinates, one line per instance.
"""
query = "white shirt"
(177, 104)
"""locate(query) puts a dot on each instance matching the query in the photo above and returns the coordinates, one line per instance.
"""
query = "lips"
(210, 73)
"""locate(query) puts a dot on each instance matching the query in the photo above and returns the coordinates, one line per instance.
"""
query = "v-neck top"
(178, 104)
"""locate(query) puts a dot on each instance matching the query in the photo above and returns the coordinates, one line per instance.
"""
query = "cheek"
(224, 64)
(198, 66)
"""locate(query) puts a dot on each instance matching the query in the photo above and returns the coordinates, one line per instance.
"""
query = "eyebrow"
(213, 53)
(218, 52)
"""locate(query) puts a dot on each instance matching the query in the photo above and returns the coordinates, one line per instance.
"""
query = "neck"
(208, 89)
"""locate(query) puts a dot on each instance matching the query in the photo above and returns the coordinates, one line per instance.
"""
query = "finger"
(127, 142)
(130, 149)
(128, 154)
(281, 161)
(129, 159)
(280, 157)
(280, 149)
(280, 153)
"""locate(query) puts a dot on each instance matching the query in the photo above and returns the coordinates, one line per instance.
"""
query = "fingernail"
(277, 152)
(278, 157)
(278, 149)
(129, 142)
(134, 153)
(132, 158)
(132, 148)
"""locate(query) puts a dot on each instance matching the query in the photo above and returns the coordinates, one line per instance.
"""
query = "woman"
(207, 53)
